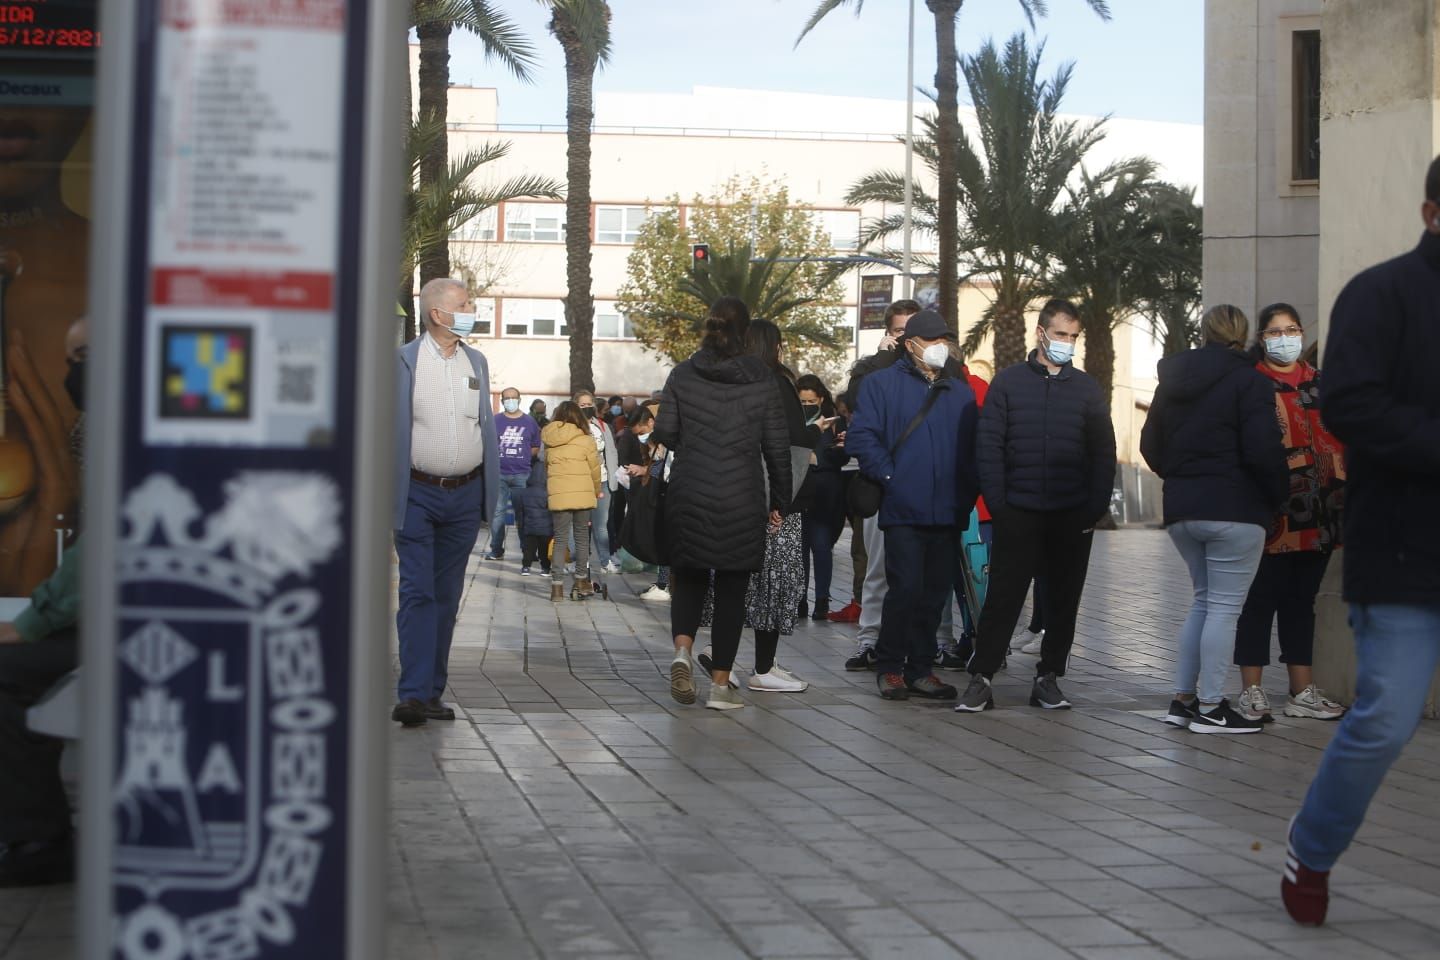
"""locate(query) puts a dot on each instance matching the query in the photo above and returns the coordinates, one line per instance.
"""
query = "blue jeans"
(1222, 557)
(1397, 648)
(433, 547)
(508, 482)
(919, 568)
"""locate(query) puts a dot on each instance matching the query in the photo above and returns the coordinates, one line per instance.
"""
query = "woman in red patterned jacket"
(1302, 536)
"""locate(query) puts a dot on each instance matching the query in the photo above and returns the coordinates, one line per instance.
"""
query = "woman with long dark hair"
(721, 415)
(824, 516)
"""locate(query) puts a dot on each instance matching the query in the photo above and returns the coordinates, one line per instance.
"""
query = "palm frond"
(501, 38)
(825, 8)
(585, 23)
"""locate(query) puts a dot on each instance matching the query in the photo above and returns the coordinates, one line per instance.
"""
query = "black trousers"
(687, 606)
(533, 548)
(919, 571)
(33, 805)
(618, 501)
(1053, 545)
(1284, 590)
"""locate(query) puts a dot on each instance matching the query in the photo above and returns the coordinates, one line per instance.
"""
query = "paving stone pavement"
(574, 810)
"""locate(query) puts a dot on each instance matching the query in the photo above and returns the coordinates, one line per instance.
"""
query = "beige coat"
(573, 467)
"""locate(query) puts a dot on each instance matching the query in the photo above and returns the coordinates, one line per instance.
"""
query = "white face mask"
(643, 437)
(461, 324)
(935, 355)
(1285, 350)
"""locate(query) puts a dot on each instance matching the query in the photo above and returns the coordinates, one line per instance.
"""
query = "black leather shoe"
(409, 713)
(821, 610)
(436, 710)
(38, 863)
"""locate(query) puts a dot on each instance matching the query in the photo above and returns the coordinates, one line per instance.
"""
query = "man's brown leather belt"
(446, 483)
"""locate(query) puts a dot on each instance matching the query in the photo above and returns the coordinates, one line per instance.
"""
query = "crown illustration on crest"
(273, 524)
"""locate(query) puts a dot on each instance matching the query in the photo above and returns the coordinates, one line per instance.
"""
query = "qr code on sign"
(297, 385)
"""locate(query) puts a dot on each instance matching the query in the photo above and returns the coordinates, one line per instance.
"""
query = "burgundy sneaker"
(1306, 892)
(892, 686)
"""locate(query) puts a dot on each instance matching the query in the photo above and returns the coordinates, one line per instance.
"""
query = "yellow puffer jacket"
(573, 467)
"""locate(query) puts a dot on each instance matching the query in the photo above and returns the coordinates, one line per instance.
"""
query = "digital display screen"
(48, 25)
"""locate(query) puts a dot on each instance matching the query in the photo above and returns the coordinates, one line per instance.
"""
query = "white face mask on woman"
(1285, 350)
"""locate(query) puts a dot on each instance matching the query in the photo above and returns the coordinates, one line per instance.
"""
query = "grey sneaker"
(977, 696)
(1046, 693)
(1312, 704)
(707, 663)
(724, 698)
(682, 678)
(1254, 705)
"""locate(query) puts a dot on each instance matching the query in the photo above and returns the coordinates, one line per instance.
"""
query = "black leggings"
(1284, 590)
(687, 602)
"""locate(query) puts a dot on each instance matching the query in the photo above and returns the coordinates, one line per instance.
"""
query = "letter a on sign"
(219, 771)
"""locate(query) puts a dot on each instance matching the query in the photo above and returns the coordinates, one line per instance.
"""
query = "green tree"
(1109, 247)
(667, 304)
(433, 22)
(1172, 294)
(948, 158)
(583, 29)
(438, 208)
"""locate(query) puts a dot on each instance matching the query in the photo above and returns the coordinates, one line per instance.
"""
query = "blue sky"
(1146, 63)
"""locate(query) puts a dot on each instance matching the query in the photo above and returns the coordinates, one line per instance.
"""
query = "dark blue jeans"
(919, 571)
(433, 547)
(819, 533)
(508, 482)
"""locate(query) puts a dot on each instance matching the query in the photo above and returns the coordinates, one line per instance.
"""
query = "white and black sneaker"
(977, 696)
(1181, 713)
(1046, 693)
(1222, 719)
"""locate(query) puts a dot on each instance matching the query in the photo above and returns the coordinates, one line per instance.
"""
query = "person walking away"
(447, 482)
(824, 519)
(1381, 398)
(914, 433)
(609, 480)
(519, 437)
(722, 416)
(1301, 537)
(772, 599)
(533, 523)
(1211, 435)
(573, 488)
(872, 592)
(1046, 451)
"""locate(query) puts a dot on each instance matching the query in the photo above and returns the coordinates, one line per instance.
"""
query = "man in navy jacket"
(1047, 466)
(930, 488)
(1381, 397)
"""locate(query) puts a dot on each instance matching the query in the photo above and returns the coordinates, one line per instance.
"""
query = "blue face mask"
(615, 411)
(461, 324)
(1285, 350)
(511, 406)
(1059, 352)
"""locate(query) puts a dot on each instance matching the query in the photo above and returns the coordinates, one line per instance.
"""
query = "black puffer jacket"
(1046, 442)
(1213, 437)
(723, 417)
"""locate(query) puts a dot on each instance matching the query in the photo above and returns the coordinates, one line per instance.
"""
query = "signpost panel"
(237, 563)
(876, 294)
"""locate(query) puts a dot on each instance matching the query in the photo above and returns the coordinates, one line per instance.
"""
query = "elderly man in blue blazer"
(447, 479)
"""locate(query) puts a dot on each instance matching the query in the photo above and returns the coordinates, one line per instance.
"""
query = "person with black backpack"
(914, 435)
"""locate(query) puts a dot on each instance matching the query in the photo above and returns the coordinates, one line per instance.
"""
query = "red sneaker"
(1306, 892)
(850, 613)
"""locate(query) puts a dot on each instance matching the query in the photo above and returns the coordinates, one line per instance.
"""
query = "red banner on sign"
(189, 287)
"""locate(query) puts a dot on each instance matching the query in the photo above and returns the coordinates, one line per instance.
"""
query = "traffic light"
(699, 255)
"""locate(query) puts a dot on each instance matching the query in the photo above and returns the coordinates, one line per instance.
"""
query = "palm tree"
(1172, 294)
(434, 20)
(583, 29)
(947, 89)
(772, 289)
(436, 209)
(1109, 246)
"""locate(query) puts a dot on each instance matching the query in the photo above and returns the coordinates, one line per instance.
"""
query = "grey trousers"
(565, 522)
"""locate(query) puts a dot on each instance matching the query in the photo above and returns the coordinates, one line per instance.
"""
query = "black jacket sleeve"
(1360, 402)
(1152, 435)
(1100, 446)
(990, 438)
(1262, 448)
(862, 369)
(775, 448)
(667, 422)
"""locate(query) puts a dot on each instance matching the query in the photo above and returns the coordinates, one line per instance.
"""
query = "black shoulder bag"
(863, 496)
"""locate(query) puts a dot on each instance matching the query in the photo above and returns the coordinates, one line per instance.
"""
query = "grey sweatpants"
(566, 521)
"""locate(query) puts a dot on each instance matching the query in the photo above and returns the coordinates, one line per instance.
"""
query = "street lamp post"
(906, 282)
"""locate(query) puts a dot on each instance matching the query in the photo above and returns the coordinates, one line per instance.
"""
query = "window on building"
(484, 317)
(1305, 112)
(610, 323)
(483, 227)
(619, 224)
(535, 222)
(535, 318)
(843, 228)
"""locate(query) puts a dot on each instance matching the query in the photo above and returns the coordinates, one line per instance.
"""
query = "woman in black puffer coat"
(722, 417)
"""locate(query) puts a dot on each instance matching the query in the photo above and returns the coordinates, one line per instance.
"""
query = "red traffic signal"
(699, 254)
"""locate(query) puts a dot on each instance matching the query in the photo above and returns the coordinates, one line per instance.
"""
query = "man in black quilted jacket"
(1046, 452)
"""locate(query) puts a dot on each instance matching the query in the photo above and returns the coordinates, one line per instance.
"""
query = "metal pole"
(906, 282)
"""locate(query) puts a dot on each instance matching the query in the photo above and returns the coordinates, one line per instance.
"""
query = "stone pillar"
(1379, 130)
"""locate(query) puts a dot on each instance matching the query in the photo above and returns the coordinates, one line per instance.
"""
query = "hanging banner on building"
(876, 295)
(235, 620)
(927, 292)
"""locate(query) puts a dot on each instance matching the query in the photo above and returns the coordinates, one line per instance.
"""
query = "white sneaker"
(1312, 704)
(612, 567)
(778, 680)
(1254, 705)
(656, 594)
(724, 698)
(1032, 646)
